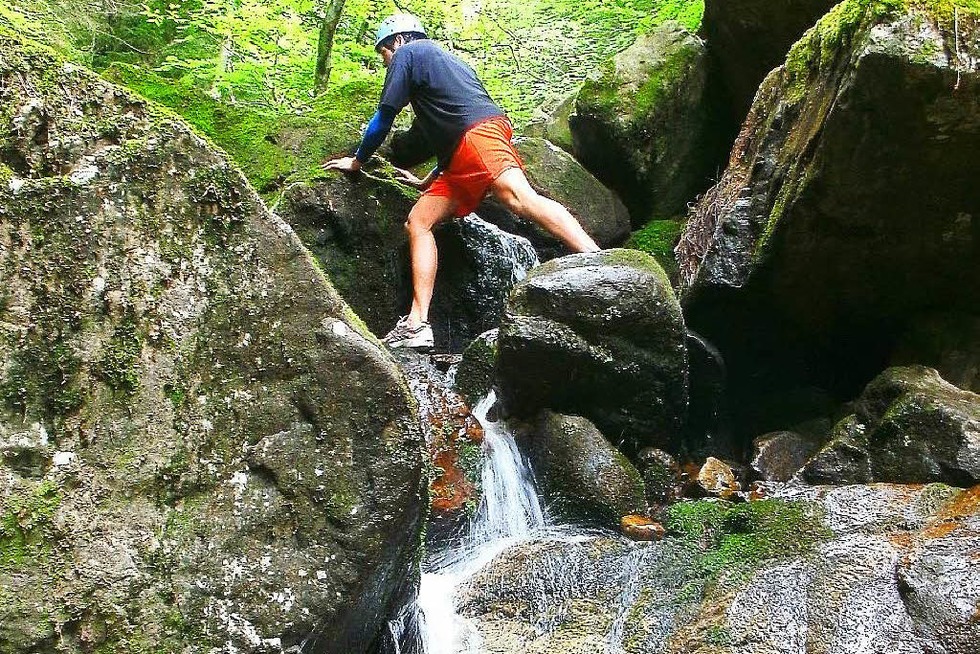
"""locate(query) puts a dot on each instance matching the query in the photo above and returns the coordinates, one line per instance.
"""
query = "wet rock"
(748, 38)
(555, 174)
(661, 476)
(637, 527)
(847, 212)
(222, 428)
(605, 339)
(475, 374)
(921, 428)
(717, 478)
(777, 456)
(642, 124)
(583, 477)
(579, 593)
(354, 225)
(844, 459)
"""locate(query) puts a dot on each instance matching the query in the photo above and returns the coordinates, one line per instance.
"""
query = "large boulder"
(556, 174)
(599, 335)
(911, 426)
(354, 225)
(748, 38)
(584, 477)
(200, 448)
(848, 209)
(643, 124)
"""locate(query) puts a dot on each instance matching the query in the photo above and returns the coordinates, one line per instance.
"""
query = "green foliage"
(739, 537)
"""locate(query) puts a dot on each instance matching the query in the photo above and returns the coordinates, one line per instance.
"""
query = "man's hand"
(344, 164)
(407, 177)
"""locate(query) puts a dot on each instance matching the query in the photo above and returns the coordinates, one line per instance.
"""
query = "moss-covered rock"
(584, 478)
(200, 446)
(642, 124)
(604, 337)
(848, 209)
(910, 426)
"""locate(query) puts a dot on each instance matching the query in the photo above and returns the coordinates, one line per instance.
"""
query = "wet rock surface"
(201, 446)
(642, 124)
(834, 567)
(477, 369)
(582, 476)
(604, 336)
(846, 214)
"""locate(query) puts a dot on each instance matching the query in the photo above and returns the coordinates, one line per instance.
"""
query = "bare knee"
(520, 203)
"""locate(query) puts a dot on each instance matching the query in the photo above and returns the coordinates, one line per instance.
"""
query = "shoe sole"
(413, 343)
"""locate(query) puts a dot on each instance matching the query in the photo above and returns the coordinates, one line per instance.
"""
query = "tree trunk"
(331, 16)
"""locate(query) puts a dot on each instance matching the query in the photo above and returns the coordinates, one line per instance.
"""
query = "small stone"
(637, 527)
(717, 478)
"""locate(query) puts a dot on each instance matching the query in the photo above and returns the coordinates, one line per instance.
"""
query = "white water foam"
(510, 512)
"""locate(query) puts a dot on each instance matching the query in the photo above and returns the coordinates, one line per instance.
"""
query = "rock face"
(849, 207)
(748, 38)
(554, 172)
(199, 446)
(600, 335)
(818, 570)
(642, 124)
(584, 477)
(355, 228)
(475, 374)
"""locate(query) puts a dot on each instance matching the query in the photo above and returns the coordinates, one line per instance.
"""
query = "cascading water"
(509, 512)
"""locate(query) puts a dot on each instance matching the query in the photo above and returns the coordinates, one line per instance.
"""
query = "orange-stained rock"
(639, 527)
(717, 478)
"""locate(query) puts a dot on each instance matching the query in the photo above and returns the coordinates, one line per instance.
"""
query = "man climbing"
(471, 137)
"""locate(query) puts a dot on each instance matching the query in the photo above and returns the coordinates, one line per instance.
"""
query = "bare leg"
(429, 211)
(513, 189)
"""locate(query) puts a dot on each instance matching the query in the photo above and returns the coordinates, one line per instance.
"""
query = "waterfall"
(509, 512)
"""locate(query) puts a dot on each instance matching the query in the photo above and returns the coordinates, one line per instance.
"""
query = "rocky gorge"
(749, 425)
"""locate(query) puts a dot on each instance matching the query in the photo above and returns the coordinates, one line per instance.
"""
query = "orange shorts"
(482, 155)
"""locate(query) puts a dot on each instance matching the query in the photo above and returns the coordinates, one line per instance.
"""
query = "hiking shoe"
(405, 336)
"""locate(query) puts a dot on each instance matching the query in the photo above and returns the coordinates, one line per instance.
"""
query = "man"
(471, 137)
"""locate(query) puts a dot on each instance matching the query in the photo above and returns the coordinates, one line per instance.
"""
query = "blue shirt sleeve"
(376, 132)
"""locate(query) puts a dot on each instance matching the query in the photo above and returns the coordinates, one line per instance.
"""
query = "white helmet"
(396, 24)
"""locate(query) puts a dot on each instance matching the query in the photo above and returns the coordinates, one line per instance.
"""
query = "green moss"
(658, 238)
(688, 13)
(737, 538)
(25, 526)
(119, 364)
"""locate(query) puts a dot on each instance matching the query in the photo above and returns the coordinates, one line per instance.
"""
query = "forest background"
(244, 72)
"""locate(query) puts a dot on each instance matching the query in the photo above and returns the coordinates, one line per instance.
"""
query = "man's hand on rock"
(407, 177)
(343, 164)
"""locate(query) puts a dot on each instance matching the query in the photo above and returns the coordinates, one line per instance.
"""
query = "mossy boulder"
(354, 225)
(200, 446)
(555, 174)
(848, 211)
(910, 426)
(748, 38)
(584, 478)
(643, 124)
(553, 125)
(599, 335)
